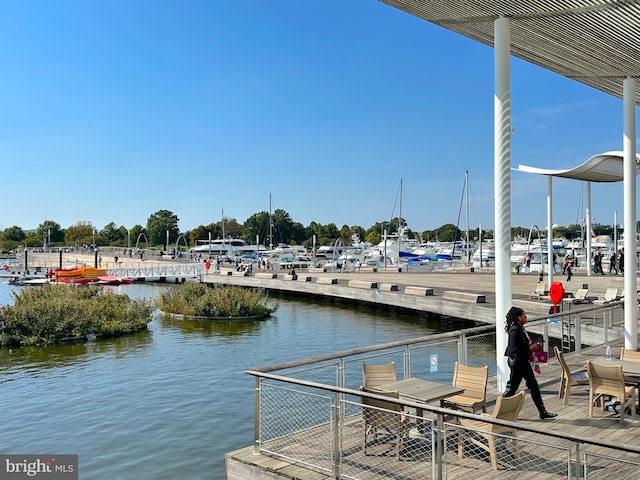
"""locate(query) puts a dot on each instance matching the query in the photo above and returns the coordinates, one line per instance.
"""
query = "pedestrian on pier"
(613, 262)
(520, 349)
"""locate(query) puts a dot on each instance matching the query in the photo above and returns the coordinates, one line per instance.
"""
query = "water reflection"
(213, 328)
(35, 360)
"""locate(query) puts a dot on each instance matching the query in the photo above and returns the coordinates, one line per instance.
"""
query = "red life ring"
(556, 292)
(5, 267)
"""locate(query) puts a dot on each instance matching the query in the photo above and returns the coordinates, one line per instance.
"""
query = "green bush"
(54, 313)
(198, 300)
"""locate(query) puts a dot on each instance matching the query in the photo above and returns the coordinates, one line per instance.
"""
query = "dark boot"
(544, 415)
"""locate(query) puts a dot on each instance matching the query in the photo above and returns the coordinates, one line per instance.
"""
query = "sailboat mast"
(223, 249)
(270, 226)
(466, 196)
(399, 226)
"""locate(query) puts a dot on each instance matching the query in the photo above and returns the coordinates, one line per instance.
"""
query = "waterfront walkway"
(398, 289)
(418, 291)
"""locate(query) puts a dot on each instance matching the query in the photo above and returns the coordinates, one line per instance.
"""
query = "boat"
(113, 280)
(78, 274)
(229, 247)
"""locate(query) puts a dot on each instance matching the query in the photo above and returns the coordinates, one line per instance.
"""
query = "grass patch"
(198, 300)
(55, 313)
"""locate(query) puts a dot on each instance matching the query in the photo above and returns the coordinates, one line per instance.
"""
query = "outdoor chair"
(610, 295)
(483, 434)
(631, 356)
(383, 421)
(540, 292)
(375, 375)
(474, 381)
(608, 380)
(569, 379)
(581, 296)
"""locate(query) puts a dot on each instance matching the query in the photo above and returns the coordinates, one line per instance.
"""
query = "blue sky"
(111, 111)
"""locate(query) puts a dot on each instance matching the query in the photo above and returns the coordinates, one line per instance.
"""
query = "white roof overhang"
(595, 42)
(604, 167)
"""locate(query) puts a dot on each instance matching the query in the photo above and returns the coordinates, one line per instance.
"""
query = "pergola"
(605, 167)
(595, 42)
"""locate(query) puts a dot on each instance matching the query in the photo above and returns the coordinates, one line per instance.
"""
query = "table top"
(628, 366)
(421, 390)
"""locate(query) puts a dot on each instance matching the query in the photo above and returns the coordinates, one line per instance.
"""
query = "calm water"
(170, 402)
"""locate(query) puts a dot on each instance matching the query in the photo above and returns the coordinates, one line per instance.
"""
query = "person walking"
(613, 262)
(621, 260)
(519, 351)
(569, 271)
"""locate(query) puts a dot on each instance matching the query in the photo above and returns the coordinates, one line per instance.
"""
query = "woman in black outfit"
(519, 351)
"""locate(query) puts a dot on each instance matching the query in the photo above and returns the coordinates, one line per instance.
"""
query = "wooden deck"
(537, 460)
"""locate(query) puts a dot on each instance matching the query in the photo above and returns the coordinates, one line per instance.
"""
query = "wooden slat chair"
(383, 421)
(474, 381)
(376, 375)
(483, 433)
(569, 379)
(608, 380)
(632, 356)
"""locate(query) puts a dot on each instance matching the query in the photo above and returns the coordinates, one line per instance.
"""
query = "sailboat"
(458, 249)
(397, 246)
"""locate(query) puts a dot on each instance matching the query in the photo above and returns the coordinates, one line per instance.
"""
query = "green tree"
(113, 235)
(257, 225)
(51, 231)
(11, 237)
(328, 234)
(374, 238)
(298, 236)
(232, 228)
(82, 233)
(158, 224)
(448, 233)
(13, 234)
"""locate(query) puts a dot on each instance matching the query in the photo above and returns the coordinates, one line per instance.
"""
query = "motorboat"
(230, 247)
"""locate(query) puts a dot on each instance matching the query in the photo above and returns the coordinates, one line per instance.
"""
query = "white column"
(550, 227)
(630, 258)
(502, 186)
(589, 226)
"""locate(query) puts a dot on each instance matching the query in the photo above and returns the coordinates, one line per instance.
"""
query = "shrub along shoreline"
(196, 300)
(56, 313)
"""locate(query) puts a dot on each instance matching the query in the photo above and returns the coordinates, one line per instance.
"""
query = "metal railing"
(309, 412)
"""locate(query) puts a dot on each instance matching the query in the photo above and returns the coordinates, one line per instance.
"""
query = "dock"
(461, 294)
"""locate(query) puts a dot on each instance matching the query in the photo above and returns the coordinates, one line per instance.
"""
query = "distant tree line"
(161, 231)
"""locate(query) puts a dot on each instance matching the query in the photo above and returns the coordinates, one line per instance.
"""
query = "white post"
(630, 228)
(550, 228)
(589, 229)
(502, 186)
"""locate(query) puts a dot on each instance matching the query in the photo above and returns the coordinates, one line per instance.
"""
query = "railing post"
(336, 449)
(605, 328)
(256, 419)
(438, 447)
(578, 334)
(407, 361)
(578, 464)
(462, 349)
